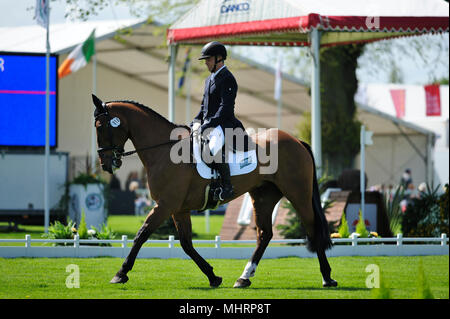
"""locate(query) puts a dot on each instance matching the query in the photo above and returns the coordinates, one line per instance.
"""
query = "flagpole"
(280, 106)
(94, 91)
(47, 126)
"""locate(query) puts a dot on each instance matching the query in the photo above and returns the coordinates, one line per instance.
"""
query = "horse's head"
(111, 135)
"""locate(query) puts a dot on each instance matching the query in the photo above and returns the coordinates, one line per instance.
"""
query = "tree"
(340, 128)
(167, 10)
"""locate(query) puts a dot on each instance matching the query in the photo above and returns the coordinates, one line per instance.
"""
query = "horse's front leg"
(184, 227)
(155, 218)
(264, 200)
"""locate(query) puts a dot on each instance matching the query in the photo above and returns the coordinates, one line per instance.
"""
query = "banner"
(433, 100)
(186, 64)
(41, 12)
(398, 97)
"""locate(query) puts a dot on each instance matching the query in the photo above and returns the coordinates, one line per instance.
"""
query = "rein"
(150, 147)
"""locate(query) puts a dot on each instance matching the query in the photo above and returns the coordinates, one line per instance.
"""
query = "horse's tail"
(321, 239)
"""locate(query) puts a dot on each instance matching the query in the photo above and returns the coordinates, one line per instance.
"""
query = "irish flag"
(79, 57)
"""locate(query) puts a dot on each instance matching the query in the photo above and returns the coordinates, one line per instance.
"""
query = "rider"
(217, 108)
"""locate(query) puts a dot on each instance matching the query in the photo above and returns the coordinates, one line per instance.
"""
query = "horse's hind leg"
(152, 222)
(184, 227)
(264, 199)
(304, 208)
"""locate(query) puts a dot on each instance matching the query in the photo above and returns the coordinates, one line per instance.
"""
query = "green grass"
(284, 278)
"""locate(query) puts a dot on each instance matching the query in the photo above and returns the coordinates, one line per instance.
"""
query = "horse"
(178, 189)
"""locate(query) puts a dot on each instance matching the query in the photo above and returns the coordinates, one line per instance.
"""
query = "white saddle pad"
(240, 162)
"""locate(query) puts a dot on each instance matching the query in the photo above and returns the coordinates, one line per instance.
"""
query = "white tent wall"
(390, 155)
(378, 97)
(75, 113)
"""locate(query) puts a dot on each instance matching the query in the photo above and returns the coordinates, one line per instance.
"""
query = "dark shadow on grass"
(7, 229)
(284, 288)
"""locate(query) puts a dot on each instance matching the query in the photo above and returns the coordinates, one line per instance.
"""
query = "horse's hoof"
(215, 282)
(119, 279)
(330, 283)
(242, 283)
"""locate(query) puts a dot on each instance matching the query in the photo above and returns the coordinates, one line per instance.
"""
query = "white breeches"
(216, 140)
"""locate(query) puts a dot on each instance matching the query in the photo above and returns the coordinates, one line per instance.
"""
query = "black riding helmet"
(214, 49)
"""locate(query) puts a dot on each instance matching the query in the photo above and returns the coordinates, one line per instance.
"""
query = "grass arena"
(281, 278)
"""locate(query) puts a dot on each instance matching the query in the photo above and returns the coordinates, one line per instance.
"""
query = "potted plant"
(87, 193)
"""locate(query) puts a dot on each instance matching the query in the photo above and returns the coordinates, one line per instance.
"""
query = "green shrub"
(443, 212)
(60, 231)
(394, 210)
(82, 228)
(104, 233)
(424, 217)
(361, 227)
(343, 227)
(294, 228)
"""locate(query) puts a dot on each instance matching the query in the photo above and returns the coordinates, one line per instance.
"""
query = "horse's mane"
(150, 111)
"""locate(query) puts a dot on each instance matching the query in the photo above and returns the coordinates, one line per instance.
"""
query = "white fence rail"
(82, 248)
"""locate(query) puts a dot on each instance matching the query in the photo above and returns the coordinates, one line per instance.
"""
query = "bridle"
(117, 151)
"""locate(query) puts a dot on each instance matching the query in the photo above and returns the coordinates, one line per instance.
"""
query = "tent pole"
(316, 136)
(93, 129)
(173, 57)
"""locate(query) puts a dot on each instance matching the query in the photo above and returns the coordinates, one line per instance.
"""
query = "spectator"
(406, 181)
(132, 177)
(422, 189)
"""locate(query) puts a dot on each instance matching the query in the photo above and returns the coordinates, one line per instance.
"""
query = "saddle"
(241, 161)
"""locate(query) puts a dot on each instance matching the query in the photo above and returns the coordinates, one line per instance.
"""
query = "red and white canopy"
(312, 23)
(288, 22)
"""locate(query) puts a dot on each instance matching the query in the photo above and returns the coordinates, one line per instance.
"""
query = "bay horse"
(177, 188)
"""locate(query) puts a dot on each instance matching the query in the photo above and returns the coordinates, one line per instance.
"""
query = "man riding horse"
(217, 110)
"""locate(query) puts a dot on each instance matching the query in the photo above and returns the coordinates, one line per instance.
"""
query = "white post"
(27, 245)
(171, 241)
(217, 245)
(124, 245)
(354, 239)
(47, 128)
(76, 241)
(443, 239)
(27, 241)
(362, 171)
(172, 62)
(124, 241)
(316, 130)
(399, 239)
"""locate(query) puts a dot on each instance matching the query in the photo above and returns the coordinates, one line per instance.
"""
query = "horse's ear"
(97, 102)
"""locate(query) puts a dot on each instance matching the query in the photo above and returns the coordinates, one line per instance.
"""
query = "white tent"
(311, 23)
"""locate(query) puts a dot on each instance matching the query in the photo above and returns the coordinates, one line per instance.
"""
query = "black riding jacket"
(217, 106)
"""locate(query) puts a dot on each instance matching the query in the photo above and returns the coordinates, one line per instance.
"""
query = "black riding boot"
(227, 188)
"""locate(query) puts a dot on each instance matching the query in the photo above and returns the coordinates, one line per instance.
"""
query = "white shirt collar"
(215, 73)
